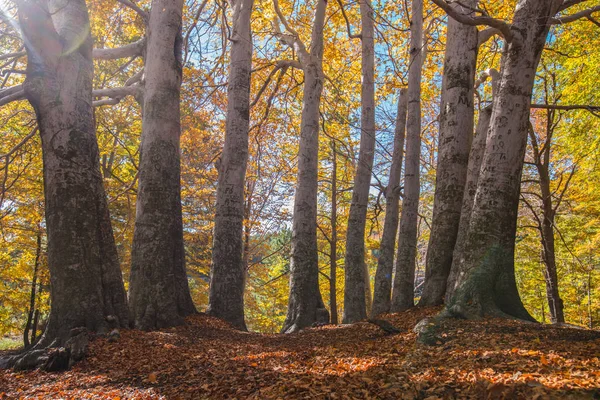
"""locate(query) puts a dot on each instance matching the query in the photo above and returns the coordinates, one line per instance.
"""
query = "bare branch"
(503, 27)
(348, 27)
(129, 50)
(590, 108)
(486, 34)
(11, 94)
(574, 17)
(134, 7)
(18, 54)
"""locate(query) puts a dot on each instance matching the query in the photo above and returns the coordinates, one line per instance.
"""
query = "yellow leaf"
(152, 377)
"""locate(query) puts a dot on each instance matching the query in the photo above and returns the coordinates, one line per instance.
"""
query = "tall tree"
(305, 305)
(159, 294)
(485, 273)
(356, 272)
(550, 200)
(385, 266)
(403, 292)
(455, 133)
(86, 282)
(226, 299)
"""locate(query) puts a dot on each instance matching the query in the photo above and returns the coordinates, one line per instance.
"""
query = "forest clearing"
(263, 199)
(207, 359)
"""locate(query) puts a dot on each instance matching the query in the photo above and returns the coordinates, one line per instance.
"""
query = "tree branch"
(127, 3)
(503, 27)
(348, 27)
(575, 17)
(129, 50)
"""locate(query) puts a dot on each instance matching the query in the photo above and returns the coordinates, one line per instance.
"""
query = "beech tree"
(305, 305)
(226, 299)
(356, 272)
(485, 271)
(455, 134)
(159, 295)
(385, 265)
(404, 278)
(86, 282)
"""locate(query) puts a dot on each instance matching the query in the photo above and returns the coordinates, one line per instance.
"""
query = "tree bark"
(356, 272)
(474, 167)
(333, 241)
(305, 305)
(385, 265)
(455, 134)
(85, 276)
(404, 280)
(226, 299)
(486, 281)
(159, 294)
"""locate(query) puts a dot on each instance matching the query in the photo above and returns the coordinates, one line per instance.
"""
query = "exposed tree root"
(52, 357)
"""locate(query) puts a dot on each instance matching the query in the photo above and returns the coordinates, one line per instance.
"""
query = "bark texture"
(159, 295)
(382, 292)
(357, 288)
(226, 299)
(486, 281)
(305, 305)
(85, 276)
(455, 134)
(475, 157)
(404, 280)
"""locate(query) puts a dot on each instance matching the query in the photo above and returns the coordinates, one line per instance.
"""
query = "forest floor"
(205, 359)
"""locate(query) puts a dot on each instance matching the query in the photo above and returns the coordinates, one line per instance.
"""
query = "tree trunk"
(385, 265)
(30, 314)
(333, 241)
(159, 294)
(555, 303)
(456, 132)
(404, 280)
(85, 276)
(305, 305)
(474, 167)
(486, 280)
(356, 272)
(226, 299)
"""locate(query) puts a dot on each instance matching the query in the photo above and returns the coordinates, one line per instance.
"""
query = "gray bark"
(385, 265)
(475, 157)
(159, 294)
(356, 287)
(486, 281)
(85, 276)
(305, 305)
(226, 299)
(403, 292)
(455, 134)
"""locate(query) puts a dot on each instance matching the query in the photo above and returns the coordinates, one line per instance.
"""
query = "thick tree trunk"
(475, 158)
(382, 292)
(85, 276)
(305, 305)
(486, 280)
(159, 294)
(456, 132)
(356, 272)
(404, 280)
(333, 241)
(226, 299)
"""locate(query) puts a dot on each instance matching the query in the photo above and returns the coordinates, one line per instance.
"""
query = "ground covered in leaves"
(205, 359)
